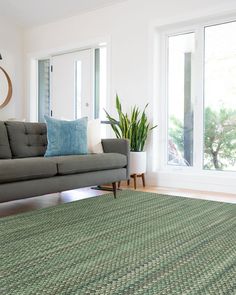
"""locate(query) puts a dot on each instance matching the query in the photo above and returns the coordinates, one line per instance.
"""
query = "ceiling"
(28, 13)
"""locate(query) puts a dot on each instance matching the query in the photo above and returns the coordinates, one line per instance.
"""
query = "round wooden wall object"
(9, 93)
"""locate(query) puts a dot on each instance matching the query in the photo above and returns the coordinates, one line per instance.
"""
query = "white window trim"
(163, 33)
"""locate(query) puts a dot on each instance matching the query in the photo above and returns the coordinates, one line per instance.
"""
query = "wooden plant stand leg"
(135, 176)
(135, 181)
(114, 189)
(143, 179)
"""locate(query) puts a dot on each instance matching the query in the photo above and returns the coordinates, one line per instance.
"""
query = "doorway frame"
(31, 84)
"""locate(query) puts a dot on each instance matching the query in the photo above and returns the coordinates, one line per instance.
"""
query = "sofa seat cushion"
(88, 163)
(26, 169)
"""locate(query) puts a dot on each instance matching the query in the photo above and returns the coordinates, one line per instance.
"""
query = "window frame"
(198, 94)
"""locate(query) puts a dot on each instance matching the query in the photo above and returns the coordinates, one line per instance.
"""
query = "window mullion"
(164, 104)
(199, 100)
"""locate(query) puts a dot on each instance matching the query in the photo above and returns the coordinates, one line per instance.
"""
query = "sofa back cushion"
(5, 151)
(27, 139)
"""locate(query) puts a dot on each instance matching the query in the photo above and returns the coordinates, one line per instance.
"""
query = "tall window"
(43, 89)
(100, 85)
(180, 141)
(78, 88)
(220, 97)
(202, 59)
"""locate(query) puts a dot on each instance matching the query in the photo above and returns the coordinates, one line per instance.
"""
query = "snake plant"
(134, 127)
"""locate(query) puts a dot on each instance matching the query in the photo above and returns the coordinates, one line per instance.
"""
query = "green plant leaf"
(135, 127)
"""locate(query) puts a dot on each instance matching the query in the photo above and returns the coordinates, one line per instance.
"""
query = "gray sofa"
(25, 172)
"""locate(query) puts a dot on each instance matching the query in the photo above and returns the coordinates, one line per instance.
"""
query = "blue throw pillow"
(66, 137)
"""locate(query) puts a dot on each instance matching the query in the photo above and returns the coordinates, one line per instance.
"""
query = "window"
(100, 85)
(220, 97)
(201, 96)
(43, 89)
(180, 131)
(78, 88)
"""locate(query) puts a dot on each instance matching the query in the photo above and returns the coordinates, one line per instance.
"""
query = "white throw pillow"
(94, 137)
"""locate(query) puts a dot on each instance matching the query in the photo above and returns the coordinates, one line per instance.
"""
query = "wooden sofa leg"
(114, 189)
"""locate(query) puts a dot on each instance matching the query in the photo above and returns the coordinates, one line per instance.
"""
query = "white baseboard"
(192, 181)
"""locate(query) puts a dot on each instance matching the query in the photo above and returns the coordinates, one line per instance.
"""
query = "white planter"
(138, 162)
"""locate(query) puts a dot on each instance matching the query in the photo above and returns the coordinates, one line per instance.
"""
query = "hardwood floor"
(26, 205)
(212, 196)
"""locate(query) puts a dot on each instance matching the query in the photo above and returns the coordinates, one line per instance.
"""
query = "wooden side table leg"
(135, 181)
(143, 179)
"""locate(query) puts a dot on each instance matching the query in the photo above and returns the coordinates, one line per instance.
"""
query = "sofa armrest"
(120, 146)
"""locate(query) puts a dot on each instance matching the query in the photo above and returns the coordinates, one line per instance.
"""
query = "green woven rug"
(141, 243)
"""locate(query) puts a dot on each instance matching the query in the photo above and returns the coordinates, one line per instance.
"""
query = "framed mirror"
(5, 88)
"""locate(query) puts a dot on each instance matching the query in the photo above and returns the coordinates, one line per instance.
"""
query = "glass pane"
(100, 82)
(97, 83)
(180, 108)
(43, 89)
(100, 98)
(78, 88)
(220, 97)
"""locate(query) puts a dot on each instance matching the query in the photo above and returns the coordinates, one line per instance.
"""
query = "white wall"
(129, 26)
(11, 48)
